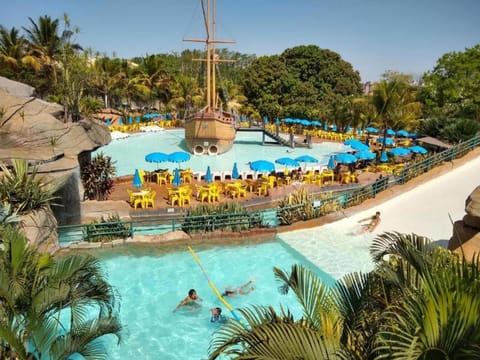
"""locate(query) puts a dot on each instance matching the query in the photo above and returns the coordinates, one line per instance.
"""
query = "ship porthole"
(198, 150)
(212, 150)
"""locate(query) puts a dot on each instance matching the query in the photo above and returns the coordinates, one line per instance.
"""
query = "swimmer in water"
(189, 301)
(245, 289)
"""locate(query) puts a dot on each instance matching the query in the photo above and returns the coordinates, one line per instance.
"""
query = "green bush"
(97, 177)
(108, 229)
(295, 207)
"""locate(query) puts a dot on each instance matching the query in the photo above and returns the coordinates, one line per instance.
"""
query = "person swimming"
(245, 289)
(217, 315)
(374, 221)
(189, 301)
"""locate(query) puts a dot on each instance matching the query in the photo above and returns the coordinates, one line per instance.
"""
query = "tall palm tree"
(12, 46)
(46, 44)
(420, 302)
(53, 308)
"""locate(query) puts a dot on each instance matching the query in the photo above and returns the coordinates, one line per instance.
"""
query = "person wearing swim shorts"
(191, 300)
(245, 289)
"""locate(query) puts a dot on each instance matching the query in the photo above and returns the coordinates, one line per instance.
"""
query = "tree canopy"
(304, 81)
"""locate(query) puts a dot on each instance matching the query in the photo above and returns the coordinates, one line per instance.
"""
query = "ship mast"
(209, 14)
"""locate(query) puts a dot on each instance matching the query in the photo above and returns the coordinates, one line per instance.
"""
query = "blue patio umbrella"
(418, 149)
(156, 157)
(360, 146)
(179, 156)
(383, 156)
(137, 180)
(306, 158)
(331, 163)
(400, 151)
(208, 175)
(177, 180)
(403, 133)
(345, 158)
(390, 132)
(371, 130)
(287, 161)
(352, 141)
(262, 166)
(235, 173)
(388, 141)
(365, 155)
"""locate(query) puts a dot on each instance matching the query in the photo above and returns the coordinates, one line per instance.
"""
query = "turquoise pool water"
(129, 153)
(152, 281)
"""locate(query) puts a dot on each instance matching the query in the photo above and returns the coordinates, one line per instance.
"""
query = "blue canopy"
(235, 174)
(345, 158)
(137, 180)
(390, 132)
(360, 146)
(208, 175)
(403, 133)
(365, 155)
(177, 180)
(418, 149)
(331, 162)
(384, 157)
(287, 161)
(400, 151)
(306, 158)
(352, 141)
(388, 141)
(371, 130)
(156, 157)
(179, 156)
(262, 166)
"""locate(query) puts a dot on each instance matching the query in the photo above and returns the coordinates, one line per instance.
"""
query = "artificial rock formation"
(34, 130)
(466, 232)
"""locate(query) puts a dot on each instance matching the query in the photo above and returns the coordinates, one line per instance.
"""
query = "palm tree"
(46, 44)
(12, 46)
(52, 308)
(419, 302)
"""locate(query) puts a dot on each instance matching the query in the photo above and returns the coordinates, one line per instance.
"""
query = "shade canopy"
(400, 151)
(177, 180)
(371, 130)
(403, 133)
(306, 158)
(388, 141)
(156, 157)
(418, 149)
(137, 180)
(331, 163)
(287, 161)
(345, 158)
(384, 157)
(360, 146)
(235, 174)
(390, 132)
(262, 166)
(179, 156)
(352, 141)
(208, 175)
(365, 155)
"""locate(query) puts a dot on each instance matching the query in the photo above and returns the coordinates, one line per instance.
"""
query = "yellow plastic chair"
(149, 199)
(262, 188)
(131, 197)
(162, 178)
(173, 197)
(185, 195)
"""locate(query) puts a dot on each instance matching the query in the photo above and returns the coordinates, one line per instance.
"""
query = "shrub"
(108, 229)
(295, 207)
(97, 177)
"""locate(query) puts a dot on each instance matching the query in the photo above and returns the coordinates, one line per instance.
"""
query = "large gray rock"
(34, 130)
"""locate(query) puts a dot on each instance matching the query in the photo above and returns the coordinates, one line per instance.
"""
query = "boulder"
(40, 228)
(466, 232)
(34, 130)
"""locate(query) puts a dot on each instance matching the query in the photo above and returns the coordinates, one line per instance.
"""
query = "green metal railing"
(249, 220)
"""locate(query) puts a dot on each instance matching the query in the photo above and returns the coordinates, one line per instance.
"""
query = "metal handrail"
(343, 199)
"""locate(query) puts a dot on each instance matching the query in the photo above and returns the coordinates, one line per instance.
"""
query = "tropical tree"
(24, 189)
(451, 89)
(46, 44)
(12, 47)
(52, 308)
(97, 177)
(420, 301)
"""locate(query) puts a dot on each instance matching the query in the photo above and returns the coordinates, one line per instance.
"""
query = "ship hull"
(210, 132)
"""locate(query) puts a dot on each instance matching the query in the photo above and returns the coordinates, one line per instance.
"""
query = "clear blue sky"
(373, 35)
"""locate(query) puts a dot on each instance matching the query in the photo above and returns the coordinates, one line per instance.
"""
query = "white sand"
(341, 247)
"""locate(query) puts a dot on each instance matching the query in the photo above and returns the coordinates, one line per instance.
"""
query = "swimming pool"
(152, 281)
(129, 153)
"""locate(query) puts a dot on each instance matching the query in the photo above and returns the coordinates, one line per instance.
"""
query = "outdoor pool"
(129, 153)
(152, 281)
